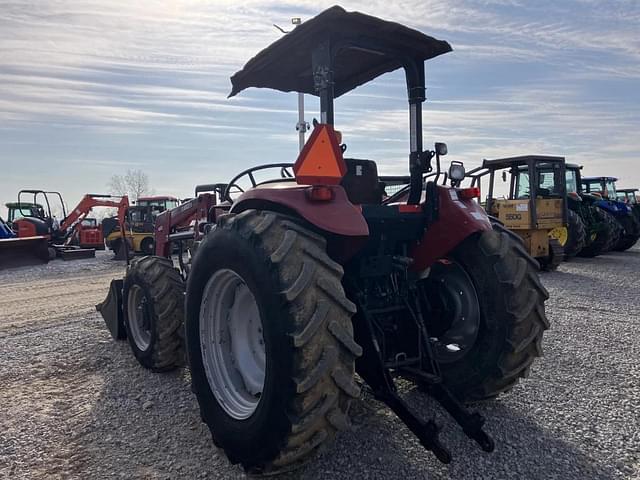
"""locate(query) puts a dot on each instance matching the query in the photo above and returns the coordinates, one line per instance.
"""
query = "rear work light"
(469, 193)
(320, 193)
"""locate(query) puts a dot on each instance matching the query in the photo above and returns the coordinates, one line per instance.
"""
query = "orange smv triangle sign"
(320, 161)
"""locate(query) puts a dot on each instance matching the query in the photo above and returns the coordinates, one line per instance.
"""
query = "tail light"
(469, 193)
(320, 193)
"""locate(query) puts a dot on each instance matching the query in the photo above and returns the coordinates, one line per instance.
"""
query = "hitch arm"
(371, 368)
(470, 422)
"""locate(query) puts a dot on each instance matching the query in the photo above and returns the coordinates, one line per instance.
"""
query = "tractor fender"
(30, 227)
(456, 220)
(616, 209)
(338, 216)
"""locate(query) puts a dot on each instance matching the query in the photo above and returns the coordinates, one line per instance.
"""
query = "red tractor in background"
(73, 236)
(316, 274)
(178, 230)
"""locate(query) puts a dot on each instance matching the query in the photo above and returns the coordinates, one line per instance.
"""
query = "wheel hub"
(232, 343)
(453, 310)
(139, 317)
(561, 234)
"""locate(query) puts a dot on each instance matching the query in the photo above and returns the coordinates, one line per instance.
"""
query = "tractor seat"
(361, 182)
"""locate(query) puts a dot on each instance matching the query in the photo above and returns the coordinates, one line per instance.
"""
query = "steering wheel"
(233, 183)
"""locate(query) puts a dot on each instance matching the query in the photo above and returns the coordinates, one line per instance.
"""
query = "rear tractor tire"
(269, 340)
(614, 229)
(630, 235)
(599, 238)
(576, 235)
(153, 304)
(496, 281)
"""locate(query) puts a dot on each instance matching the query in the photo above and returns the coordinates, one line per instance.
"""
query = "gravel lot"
(75, 404)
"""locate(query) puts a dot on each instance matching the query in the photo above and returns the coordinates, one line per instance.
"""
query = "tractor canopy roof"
(23, 205)
(500, 163)
(626, 190)
(157, 198)
(599, 179)
(363, 47)
(573, 166)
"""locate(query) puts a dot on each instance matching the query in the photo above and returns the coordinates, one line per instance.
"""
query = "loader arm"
(196, 210)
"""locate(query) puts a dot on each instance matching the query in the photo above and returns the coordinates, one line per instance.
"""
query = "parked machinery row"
(557, 213)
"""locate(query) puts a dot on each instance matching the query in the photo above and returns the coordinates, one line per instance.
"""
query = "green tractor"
(629, 196)
(597, 227)
(628, 225)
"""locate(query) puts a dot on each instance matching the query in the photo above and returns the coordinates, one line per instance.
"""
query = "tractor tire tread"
(524, 319)
(321, 338)
(166, 288)
(577, 235)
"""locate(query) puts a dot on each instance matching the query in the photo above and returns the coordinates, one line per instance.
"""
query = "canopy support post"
(322, 65)
(418, 162)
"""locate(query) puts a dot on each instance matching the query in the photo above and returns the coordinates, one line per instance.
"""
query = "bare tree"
(135, 183)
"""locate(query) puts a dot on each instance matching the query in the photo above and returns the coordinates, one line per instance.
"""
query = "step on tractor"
(315, 274)
(140, 220)
(72, 236)
(600, 228)
(628, 223)
(539, 216)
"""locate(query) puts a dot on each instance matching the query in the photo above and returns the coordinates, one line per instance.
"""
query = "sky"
(89, 89)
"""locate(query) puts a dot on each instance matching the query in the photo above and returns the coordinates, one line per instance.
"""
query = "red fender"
(338, 216)
(457, 219)
(24, 228)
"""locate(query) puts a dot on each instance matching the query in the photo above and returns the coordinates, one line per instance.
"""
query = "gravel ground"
(75, 404)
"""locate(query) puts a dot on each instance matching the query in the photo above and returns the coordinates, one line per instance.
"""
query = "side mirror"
(441, 148)
(457, 171)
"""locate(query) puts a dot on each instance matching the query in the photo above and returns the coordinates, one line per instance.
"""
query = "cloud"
(146, 82)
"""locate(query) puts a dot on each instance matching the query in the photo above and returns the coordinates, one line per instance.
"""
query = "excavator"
(75, 236)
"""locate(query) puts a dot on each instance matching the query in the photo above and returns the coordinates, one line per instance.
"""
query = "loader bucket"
(75, 253)
(123, 252)
(19, 252)
(111, 310)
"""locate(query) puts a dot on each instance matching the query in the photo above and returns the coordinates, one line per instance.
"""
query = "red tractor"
(317, 274)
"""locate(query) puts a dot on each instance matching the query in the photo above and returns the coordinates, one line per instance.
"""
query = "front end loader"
(19, 252)
(316, 272)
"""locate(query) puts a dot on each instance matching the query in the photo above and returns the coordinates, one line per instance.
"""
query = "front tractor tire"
(505, 289)
(153, 304)
(147, 246)
(269, 340)
(552, 261)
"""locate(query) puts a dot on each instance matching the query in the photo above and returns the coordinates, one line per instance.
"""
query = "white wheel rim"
(139, 327)
(232, 344)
